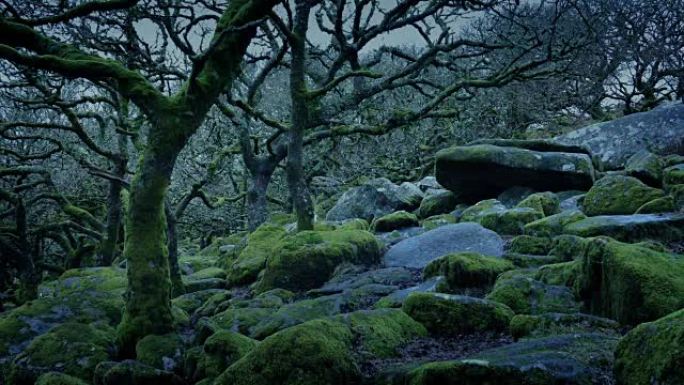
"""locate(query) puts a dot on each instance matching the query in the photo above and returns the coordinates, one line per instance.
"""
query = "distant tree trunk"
(114, 214)
(301, 114)
(29, 277)
(257, 209)
(177, 287)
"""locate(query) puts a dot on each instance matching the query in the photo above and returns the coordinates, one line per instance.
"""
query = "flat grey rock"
(418, 251)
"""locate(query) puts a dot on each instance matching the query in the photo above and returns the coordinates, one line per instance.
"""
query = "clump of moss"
(57, 378)
(394, 221)
(467, 270)
(526, 295)
(307, 259)
(526, 244)
(630, 283)
(221, 350)
(665, 204)
(562, 274)
(553, 225)
(437, 203)
(495, 216)
(72, 348)
(673, 175)
(316, 352)
(161, 351)
(445, 314)
(618, 195)
(548, 324)
(261, 244)
(652, 353)
(545, 202)
(354, 224)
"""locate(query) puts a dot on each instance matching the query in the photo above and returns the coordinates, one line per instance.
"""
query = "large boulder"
(495, 216)
(652, 353)
(481, 171)
(467, 270)
(618, 195)
(418, 251)
(374, 199)
(660, 131)
(252, 259)
(630, 283)
(647, 167)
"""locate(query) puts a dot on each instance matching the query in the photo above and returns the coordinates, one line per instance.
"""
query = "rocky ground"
(478, 276)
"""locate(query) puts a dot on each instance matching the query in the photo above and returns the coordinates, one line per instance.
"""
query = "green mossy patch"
(444, 314)
(161, 351)
(526, 244)
(618, 195)
(630, 283)
(396, 220)
(545, 202)
(674, 175)
(549, 324)
(665, 204)
(221, 350)
(261, 244)
(437, 203)
(495, 216)
(553, 225)
(72, 348)
(526, 295)
(57, 378)
(467, 270)
(559, 274)
(308, 259)
(652, 353)
(646, 167)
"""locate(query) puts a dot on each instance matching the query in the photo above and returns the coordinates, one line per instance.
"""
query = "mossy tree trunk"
(177, 286)
(301, 117)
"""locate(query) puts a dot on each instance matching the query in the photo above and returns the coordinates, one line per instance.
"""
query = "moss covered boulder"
(618, 195)
(483, 171)
(548, 324)
(221, 350)
(445, 314)
(652, 353)
(527, 244)
(631, 228)
(317, 352)
(546, 202)
(554, 224)
(261, 245)
(665, 204)
(493, 215)
(396, 220)
(646, 167)
(57, 378)
(161, 351)
(306, 260)
(520, 291)
(71, 348)
(674, 175)
(630, 283)
(437, 203)
(467, 270)
(130, 372)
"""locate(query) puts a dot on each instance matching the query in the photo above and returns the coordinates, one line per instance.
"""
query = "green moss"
(569, 247)
(526, 295)
(394, 221)
(652, 353)
(354, 224)
(307, 259)
(261, 244)
(379, 333)
(317, 352)
(530, 260)
(630, 283)
(494, 216)
(221, 350)
(645, 166)
(238, 319)
(209, 272)
(452, 315)
(618, 195)
(673, 175)
(545, 202)
(436, 221)
(561, 274)
(191, 264)
(438, 203)
(162, 352)
(552, 225)
(464, 270)
(71, 348)
(57, 378)
(526, 244)
(660, 205)
(192, 301)
(677, 193)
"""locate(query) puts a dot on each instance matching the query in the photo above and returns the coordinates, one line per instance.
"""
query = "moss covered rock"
(630, 283)
(665, 204)
(161, 351)
(526, 295)
(221, 350)
(306, 260)
(652, 353)
(631, 228)
(130, 372)
(437, 203)
(71, 348)
(559, 274)
(554, 224)
(618, 195)
(394, 221)
(525, 325)
(495, 216)
(192, 301)
(261, 244)
(465, 270)
(674, 175)
(646, 167)
(526, 244)
(317, 352)
(445, 314)
(546, 202)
